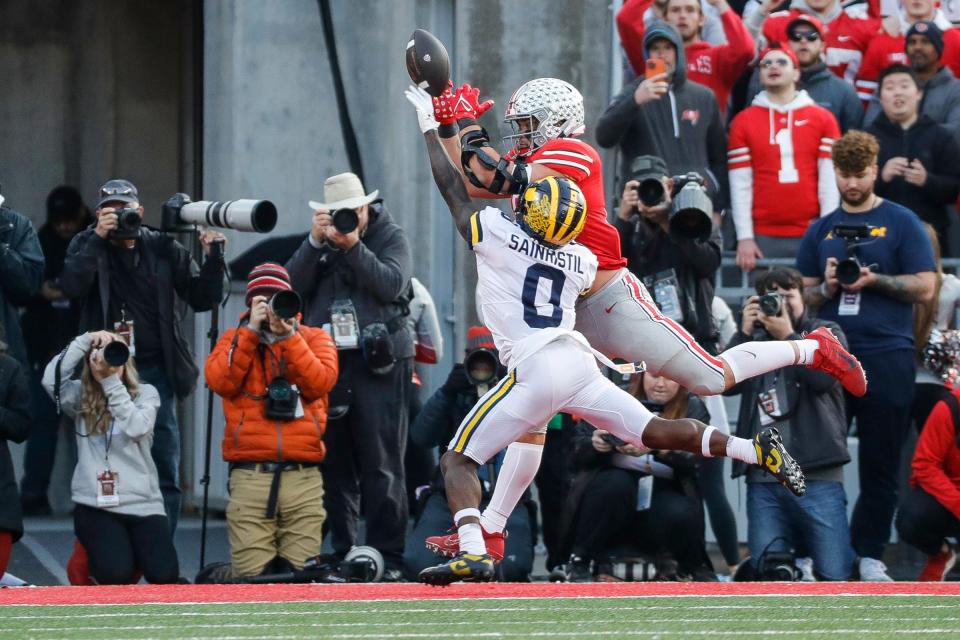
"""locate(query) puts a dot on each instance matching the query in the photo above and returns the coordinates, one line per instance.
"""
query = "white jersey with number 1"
(526, 291)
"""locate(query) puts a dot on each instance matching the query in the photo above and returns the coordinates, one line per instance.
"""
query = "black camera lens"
(285, 304)
(116, 353)
(128, 224)
(345, 220)
(651, 192)
(848, 271)
(481, 366)
(770, 304)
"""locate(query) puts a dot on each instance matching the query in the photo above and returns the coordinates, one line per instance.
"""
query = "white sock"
(519, 467)
(807, 349)
(471, 539)
(754, 358)
(738, 449)
(705, 441)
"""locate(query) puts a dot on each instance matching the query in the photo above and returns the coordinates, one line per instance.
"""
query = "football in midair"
(427, 62)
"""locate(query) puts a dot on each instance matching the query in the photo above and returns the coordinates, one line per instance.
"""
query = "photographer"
(433, 427)
(355, 280)
(119, 515)
(15, 426)
(625, 496)
(864, 266)
(274, 375)
(129, 279)
(806, 406)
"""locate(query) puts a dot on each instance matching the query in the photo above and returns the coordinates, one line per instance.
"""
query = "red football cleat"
(938, 566)
(449, 545)
(832, 358)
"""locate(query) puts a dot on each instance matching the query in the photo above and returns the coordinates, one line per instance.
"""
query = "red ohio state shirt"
(885, 50)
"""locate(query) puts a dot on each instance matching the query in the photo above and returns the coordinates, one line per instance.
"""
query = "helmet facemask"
(542, 110)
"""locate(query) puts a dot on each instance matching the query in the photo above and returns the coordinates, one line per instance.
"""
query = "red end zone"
(158, 594)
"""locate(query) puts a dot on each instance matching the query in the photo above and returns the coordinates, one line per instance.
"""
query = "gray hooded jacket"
(941, 102)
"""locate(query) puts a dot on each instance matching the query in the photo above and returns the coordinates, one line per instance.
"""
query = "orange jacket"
(311, 363)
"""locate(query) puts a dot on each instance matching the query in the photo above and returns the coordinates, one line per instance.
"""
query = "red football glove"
(467, 103)
(443, 106)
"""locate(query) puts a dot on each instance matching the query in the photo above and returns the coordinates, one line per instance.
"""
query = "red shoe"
(832, 358)
(449, 545)
(938, 566)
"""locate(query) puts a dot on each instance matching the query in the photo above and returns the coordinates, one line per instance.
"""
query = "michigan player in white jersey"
(530, 274)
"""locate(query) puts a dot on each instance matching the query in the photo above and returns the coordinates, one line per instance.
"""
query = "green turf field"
(733, 617)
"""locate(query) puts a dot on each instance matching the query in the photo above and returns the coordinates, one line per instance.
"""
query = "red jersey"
(885, 50)
(581, 163)
(781, 148)
(846, 39)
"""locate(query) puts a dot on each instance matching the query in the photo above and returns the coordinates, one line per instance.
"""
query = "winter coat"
(239, 370)
(374, 274)
(828, 91)
(936, 460)
(937, 150)
(14, 427)
(941, 102)
(86, 276)
(21, 274)
(683, 127)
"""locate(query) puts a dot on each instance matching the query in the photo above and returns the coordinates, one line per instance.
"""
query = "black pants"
(924, 522)
(363, 469)
(553, 480)
(925, 398)
(120, 545)
(714, 491)
(607, 517)
(883, 424)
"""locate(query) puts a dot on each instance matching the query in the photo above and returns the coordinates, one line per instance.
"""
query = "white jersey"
(526, 291)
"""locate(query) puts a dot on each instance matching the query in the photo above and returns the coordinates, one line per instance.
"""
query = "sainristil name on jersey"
(537, 251)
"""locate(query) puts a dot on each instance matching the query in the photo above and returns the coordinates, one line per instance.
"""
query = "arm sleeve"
(738, 52)
(312, 362)
(225, 376)
(808, 258)
(69, 386)
(616, 121)
(937, 440)
(200, 287)
(631, 28)
(302, 267)
(21, 261)
(429, 337)
(80, 264)
(866, 81)
(717, 159)
(740, 162)
(827, 193)
(15, 412)
(914, 251)
(386, 273)
(134, 418)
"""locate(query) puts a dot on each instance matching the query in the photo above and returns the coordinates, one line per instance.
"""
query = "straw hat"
(343, 191)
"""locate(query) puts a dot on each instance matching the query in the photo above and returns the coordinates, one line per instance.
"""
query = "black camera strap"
(57, 378)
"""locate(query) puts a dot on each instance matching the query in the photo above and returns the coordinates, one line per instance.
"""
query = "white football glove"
(423, 103)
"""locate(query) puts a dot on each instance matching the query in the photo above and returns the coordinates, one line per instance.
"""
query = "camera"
(116, 353)
(345, 220)
(286, 304)
(778, 567)
(691, 212)
(613, 440)
(848, 269)
(128, 224)
(481, 366)
(771, 304)
(282, 399)
(180, 213)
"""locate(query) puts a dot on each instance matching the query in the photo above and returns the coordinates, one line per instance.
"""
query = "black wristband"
(463, 123)
(448, 130)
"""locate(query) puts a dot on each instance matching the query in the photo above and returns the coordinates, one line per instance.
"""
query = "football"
(427, 62)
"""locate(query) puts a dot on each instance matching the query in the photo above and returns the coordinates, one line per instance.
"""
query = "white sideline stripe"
(45, 558)
(618, 634)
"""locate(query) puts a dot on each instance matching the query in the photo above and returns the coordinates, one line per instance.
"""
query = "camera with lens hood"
(848, 269)
(286, 304)
(771, 304)
(345, 220)
(481, 366)
(128, 224)
(116, 353)
(282, 399)
(691, 210)
(778, 567)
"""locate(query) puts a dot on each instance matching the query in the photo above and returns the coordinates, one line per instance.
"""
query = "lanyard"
(107, 440)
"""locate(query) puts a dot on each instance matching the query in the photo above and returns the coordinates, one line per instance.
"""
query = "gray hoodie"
(683, 127)
(941, 102)
(132, 434)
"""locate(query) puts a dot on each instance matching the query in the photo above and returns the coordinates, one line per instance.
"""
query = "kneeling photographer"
(354, 271)
(274, 375)
(434, 426)
(626, 500)
(807, 406)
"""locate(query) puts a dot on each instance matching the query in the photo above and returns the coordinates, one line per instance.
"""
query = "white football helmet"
(541, 110)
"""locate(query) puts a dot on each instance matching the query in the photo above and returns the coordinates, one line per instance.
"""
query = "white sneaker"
(872, 570)
(806, 569)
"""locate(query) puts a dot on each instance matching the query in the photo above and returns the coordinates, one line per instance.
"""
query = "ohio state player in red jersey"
(617, 315)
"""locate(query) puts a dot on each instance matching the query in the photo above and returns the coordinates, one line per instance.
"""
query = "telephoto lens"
(285, 304)
(848, 271)
(116, 353)
(480, 366)
(770, 304)
(345, 220)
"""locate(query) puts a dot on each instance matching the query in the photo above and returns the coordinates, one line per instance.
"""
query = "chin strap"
(474, 144)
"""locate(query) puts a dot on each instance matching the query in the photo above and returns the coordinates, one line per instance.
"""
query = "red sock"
(78, 566)
(6, 546)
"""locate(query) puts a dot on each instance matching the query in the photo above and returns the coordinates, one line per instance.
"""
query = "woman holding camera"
(119, 517)
(625, 500)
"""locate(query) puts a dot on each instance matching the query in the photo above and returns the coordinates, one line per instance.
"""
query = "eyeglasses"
(769, 62)
(809, 36)
(116, 191)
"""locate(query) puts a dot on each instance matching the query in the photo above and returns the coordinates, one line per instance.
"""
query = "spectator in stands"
(637, 499)
(807, 407)
(21, 274)
(930, 511)
(636, 15)
(717, 67)
(119, 513)
(50, 321)
(889, 48)
(918, 157)
(805, 36)
(670, 117)
(875, 312)
(274, 446)
(131, 281)
(433, 428)
(781, 175)
(941, 90)
(15, 425)
(680, 274)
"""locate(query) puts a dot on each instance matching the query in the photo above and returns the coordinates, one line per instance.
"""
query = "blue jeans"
(166, 443)
(816, 522)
